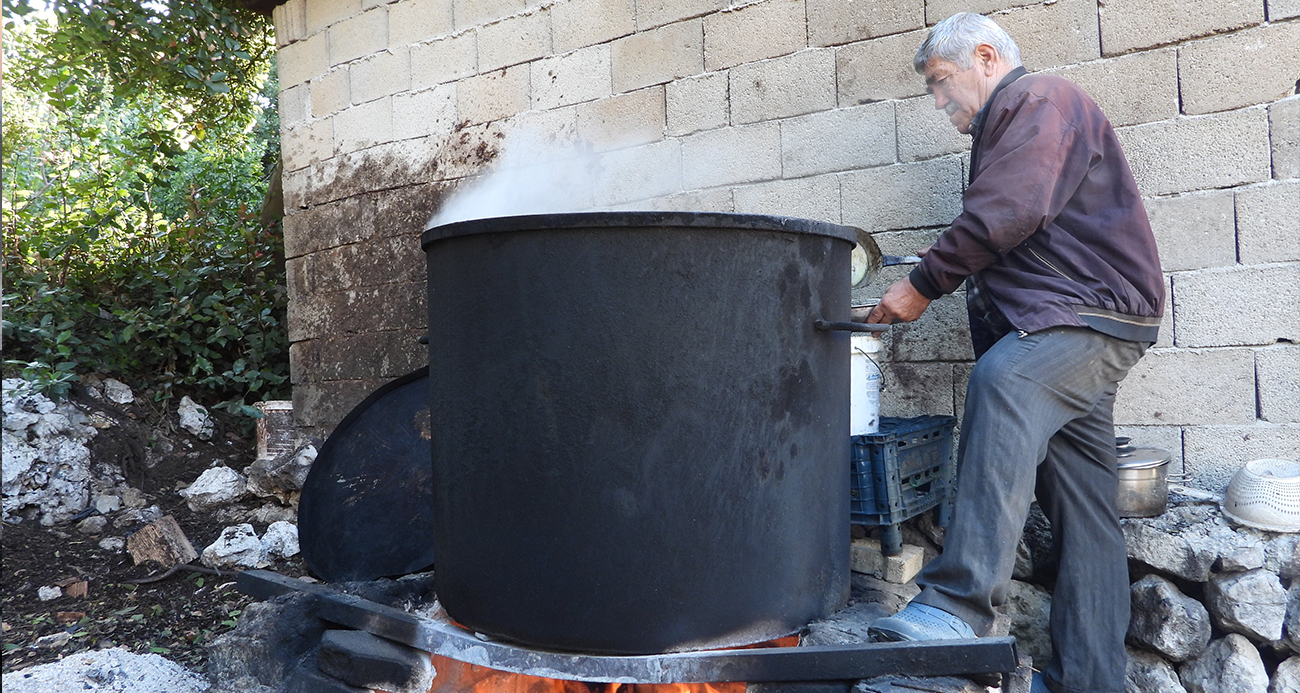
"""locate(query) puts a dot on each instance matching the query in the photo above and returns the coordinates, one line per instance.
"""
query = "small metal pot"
(1143, 479)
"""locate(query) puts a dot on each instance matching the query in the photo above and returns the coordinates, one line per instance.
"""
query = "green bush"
(133, 238)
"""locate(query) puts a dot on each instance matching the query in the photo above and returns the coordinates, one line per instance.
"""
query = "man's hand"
(901, 303)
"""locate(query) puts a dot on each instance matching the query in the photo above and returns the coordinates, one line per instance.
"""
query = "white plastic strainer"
(1265, 494)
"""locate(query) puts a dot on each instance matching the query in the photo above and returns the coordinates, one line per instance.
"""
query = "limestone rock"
(48, 593)
(195, 419)
(281, 476)
(94, 524)
(1241, 558)
(237, 546)
(269, 641)
(1166, 620)
(1228, 664)
(274, 512)
(281, 540)
(46, 464)
(1148, 672)
(112, 544)
(214, 487)
(846, 626)
(1287, 677)
(1252, 603)
(117, 391)
(1027, 607)
(106, 503)
(1171, 553)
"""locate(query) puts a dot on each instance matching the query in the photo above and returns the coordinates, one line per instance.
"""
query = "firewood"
(161, 541)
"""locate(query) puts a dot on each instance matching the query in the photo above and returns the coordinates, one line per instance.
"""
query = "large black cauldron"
(640, 440)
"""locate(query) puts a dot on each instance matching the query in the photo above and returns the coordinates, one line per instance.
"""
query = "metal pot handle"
(827, 325)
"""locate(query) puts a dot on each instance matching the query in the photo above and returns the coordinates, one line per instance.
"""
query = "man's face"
(960, 93)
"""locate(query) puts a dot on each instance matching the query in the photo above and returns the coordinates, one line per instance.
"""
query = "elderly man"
(1064, 292)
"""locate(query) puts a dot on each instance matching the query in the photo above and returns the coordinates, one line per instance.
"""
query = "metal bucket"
(1143, 480)
(639, 436)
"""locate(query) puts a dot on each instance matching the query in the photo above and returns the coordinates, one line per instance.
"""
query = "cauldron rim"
(615, 220)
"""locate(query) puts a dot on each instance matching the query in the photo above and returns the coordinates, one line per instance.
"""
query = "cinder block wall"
(387, 107)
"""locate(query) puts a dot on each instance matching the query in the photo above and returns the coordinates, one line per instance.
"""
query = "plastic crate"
(901, 471)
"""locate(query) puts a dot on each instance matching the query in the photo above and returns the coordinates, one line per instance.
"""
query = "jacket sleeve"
(1032, 162)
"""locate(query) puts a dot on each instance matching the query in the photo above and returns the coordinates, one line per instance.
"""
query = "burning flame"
(459, 677)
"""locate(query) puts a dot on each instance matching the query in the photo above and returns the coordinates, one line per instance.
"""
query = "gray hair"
(955, 39)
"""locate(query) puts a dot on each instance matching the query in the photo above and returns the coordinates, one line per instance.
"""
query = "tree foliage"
(135, 162)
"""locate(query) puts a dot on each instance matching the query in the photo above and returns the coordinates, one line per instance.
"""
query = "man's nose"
(939, 100)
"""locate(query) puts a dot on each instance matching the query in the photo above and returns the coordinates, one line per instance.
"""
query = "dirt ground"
(174, 617)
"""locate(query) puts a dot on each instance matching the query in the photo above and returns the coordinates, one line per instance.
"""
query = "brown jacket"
(1052, 229)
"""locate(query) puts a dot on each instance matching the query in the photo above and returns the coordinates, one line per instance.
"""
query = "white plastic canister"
(864, 390)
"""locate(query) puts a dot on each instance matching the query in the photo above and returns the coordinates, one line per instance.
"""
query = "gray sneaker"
(919, 622)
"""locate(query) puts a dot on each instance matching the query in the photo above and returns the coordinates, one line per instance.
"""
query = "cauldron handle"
(827, 325)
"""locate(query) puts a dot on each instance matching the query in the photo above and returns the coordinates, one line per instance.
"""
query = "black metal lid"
(667, 220)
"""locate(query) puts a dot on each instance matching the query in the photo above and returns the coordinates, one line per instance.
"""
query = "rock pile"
(1218, 608)
(47, 466)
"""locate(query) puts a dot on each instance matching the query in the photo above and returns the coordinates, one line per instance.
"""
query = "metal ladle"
(867, 260)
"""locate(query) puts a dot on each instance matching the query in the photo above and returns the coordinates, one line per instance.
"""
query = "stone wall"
(815, 110)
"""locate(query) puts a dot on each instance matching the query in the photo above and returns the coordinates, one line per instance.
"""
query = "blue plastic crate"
(901, 471)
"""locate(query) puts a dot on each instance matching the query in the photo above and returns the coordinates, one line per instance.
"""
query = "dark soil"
(175, 617)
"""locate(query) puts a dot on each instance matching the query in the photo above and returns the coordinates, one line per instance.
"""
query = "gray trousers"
(1038, 419)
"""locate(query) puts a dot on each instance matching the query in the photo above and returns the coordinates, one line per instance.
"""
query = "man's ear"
(986, 57)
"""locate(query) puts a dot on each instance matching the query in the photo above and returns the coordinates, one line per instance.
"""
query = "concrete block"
(424, 113)
(364, 126)
(328, 226)
(1284, 132)
(658, 56)
(297, 187)
(290, 20)
(1127, 25)
(580, 23)
(697, 103)
(414, 21)
(358, 36)
(369, 661)
(1131, 89)
(471, 13)
(903, 196)
(653, 13)
(833, 22)
(555, 130)
(331, 92)
(305, 144)
(765, 29)
(318, 407)
(1051, 34)
(782, 87)
(715, 200)
(817, 197)
(1198, 153)
(582, 75)
(492, 96)
(623, 121)
(640, 173)
(1194, 231)
(444, 60)
(924, 132)
(1268, 223)
(1188, 387)
(866, 557)
(351, 357)
(514, 40)
(1239, 69)
(379, 75)
(1237, 306)
(939, 10)
(1283, 9)
(916, 389)
(838, 140)
(1215, 453)
(1167, 438)
(878, 69)
(733, 155)
(305, 680)
(303, 60)
(1278, 370)
(295, 105)
(322, 14)
(942, 333)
